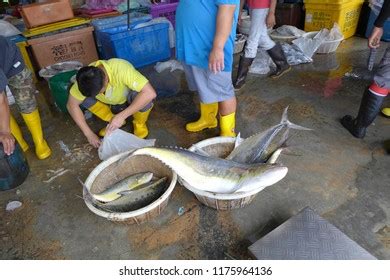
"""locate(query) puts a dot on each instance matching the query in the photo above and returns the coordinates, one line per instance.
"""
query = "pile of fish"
(250, 166)
(129, 194)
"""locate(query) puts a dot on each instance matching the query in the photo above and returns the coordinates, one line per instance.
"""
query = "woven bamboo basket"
(119, 167)
(219, 147)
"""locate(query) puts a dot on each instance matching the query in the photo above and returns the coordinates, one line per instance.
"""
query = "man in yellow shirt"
(113, 91)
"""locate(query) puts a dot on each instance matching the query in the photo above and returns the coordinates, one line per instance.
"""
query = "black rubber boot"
(369, 109)
(278, 57)
(243, 68)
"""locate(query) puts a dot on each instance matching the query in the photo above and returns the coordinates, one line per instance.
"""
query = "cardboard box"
(46, 12)
(72, 45)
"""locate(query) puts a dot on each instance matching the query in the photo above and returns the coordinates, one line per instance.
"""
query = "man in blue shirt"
(205, 34)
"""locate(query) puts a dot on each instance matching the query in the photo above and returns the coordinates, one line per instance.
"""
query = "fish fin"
(202, 152)
(275, 155)
(87, 195)
(238, 140)
(126, 192)
(289, 124)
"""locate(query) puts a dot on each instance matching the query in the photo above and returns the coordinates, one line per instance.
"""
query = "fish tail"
(289, 124)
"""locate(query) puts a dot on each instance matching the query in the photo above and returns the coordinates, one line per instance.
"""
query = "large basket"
(122, 166)
(219, 147)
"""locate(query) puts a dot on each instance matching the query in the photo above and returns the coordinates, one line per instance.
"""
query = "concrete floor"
(343, 179)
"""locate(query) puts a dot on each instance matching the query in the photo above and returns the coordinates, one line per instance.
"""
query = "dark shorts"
(90, 101)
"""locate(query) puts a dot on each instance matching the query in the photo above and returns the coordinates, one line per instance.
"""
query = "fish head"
(272, 174)
(144, 177)
(262, 177)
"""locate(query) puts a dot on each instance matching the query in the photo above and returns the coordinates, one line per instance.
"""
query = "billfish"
(129, 183)
(259, 147)
(215, 174)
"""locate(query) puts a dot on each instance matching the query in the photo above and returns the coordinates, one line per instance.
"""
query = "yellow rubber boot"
(208, 118)
(103, 112)
(33, 122)
(17, 133)
(228, 124)
(386, 112)
(139, 123)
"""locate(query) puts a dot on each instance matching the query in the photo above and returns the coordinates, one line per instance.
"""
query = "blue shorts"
(210, 87)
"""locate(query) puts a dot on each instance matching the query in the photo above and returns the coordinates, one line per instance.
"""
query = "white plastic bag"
(294, 55)
(172, 65)
(7, 29)
(171, 30)
(335, 33)
(310, 45)
(289, 30)
(261, 64)
(121, 141)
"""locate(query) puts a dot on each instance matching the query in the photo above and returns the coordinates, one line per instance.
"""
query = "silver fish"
(129, 183)
(259, 147)
(137, 198)
(215, 174)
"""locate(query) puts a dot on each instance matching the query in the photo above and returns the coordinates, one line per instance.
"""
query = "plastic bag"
(261, 64)
(7, 29)
(160, 20)
(121, 141)
(172, 65)
(102, 4)
(289, 30)
(310, 45)
(335, 33)
(295, 55)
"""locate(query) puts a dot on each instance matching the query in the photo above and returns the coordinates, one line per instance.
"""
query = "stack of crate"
(55, 35)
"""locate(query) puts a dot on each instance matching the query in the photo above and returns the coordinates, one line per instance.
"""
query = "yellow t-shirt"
(122, 77)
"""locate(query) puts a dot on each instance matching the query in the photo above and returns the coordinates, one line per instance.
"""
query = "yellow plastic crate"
(337, 2)
(55, 26)
(324, 15)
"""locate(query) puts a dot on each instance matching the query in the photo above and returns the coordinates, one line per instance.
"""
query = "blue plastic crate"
(100, 25)
(141, 46)
(370, 26)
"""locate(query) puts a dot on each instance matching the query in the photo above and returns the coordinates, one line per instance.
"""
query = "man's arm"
(74, 110)
(143, 98)
(242, 3)
(6, 138)
(271, 21)
(377, 32)
(224, 28)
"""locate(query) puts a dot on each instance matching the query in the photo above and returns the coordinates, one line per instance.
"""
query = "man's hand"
(216, 60)
(116, 122)
(375, 38)
(94, 140)
(271, 21)
(8, 142)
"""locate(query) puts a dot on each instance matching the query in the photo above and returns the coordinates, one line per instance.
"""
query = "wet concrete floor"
(345, 180)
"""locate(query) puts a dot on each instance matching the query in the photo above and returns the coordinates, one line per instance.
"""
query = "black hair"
(90, 80)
